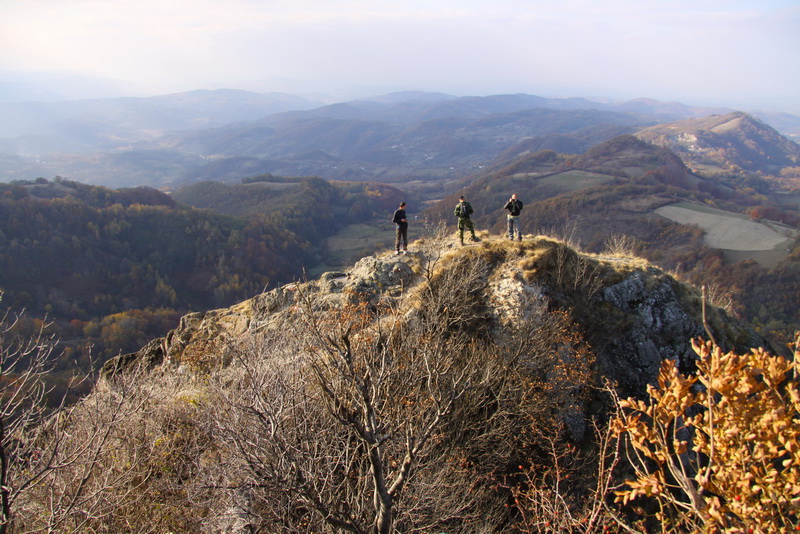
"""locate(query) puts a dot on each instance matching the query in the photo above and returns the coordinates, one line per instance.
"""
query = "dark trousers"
(402, 235)
(464, 223)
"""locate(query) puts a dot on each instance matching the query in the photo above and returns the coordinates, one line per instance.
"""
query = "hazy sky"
(734, 53)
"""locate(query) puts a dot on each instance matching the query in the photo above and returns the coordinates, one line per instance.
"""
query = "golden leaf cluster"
(718, 451)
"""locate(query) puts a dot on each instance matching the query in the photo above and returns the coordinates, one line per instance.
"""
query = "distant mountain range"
(225, 135)
(589, 176)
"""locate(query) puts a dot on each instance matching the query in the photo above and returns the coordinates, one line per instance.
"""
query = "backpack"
(464, 209)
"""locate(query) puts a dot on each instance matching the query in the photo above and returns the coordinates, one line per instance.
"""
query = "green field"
(736, 234)
(574, 180)
(354, 242)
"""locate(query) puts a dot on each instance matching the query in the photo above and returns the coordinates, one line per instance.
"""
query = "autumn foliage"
(718, 451)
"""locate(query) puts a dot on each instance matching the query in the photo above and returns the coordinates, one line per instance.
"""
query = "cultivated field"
(740, 237)
(354, 242)
(574, 180)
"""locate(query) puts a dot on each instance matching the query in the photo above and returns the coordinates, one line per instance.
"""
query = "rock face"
(659, 328)
(201, 339)
(632, 315)
(662, 319)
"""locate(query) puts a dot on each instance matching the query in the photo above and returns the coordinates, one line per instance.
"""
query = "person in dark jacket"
(514, 207)
(463, 211)
(400, 220)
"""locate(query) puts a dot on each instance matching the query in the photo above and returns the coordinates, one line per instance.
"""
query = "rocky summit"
(412, 392)
(631, 314)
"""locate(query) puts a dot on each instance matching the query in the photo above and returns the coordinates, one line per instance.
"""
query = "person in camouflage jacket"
(463, 211)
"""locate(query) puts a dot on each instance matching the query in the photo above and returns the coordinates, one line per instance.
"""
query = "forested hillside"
(311, 207)
(115, 268)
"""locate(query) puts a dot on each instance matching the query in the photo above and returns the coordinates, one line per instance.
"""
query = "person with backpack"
(400, 220)
(463, 211)
(514, 206)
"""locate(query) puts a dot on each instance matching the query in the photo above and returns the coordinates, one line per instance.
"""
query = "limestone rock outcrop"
(632, 315)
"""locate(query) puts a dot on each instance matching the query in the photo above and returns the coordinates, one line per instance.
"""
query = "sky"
(735, 53)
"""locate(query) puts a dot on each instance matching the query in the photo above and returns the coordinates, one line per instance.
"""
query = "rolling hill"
(171, 140)
(726, 143)
(435, 148)
(626, 193)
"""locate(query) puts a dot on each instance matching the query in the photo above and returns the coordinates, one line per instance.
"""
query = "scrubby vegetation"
(421, 412)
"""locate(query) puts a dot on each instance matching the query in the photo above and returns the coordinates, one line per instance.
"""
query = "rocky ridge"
(630, 313)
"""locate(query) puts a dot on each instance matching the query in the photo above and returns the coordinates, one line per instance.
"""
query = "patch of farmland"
(574, 180)
(354, 242)
(738, 235)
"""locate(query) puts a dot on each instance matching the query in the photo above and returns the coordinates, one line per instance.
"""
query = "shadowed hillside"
(411, 392)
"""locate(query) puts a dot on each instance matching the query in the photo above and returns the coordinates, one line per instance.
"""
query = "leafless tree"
(24, 363)
(134, 451)
(74, 467)
(84, 465)
(373, 417)
(359, 419)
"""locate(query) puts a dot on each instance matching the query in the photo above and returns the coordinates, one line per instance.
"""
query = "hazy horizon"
(739, 54)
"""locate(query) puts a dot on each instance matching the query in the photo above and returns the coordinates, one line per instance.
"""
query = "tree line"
(112, 269)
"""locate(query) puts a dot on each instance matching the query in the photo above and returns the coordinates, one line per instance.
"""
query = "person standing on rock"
(463, 211)
(400, 220)
(514, 207)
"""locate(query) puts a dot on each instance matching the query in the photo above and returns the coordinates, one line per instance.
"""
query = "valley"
(307, 191)
(267, 270)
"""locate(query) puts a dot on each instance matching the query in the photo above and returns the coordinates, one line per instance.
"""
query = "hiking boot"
(397, 252)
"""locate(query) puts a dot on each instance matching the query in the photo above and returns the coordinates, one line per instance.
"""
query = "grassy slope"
(737, 235)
